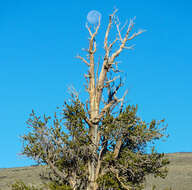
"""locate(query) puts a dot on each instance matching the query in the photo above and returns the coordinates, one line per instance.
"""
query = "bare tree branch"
(89, 30)
(120, 181)
(129, 47)
(111, 44)
(110, 81)
(125, 39)
(82, 59)
(117, 23)
(88, 122)
(109, 60)
(136, 34)
(117, 148)
(123, 98)
(113, 102)
(108, 29)
(56, 170)
(97, 72)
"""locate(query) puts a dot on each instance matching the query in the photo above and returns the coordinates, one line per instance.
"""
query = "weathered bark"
(95, 87)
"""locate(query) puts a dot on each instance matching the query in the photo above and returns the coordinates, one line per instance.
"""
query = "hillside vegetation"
(179, 176)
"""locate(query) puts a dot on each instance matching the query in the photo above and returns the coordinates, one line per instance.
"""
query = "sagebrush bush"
(20, 185)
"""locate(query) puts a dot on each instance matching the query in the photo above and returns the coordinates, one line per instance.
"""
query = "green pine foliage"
(65, 142)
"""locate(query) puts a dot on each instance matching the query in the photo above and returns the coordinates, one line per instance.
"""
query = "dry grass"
(29, 175)
(179, 176)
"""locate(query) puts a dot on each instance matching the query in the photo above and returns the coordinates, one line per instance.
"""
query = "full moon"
(93, 17)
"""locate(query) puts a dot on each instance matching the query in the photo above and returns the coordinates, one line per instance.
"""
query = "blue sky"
(38, 44)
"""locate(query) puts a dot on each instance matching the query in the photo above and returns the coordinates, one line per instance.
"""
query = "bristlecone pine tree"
(100, 144)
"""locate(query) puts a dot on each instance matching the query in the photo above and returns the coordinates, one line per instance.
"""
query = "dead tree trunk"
(96, 84)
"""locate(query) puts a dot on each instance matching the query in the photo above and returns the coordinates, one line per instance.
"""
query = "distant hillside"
(179, 177)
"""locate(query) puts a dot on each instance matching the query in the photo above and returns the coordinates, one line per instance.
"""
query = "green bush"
(55, 186)
(20, 185)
